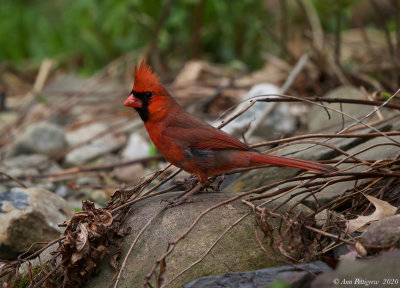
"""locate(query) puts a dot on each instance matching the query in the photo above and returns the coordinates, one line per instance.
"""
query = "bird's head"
(147, 95)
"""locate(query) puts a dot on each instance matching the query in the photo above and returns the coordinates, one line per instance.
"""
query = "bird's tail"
(291, 162)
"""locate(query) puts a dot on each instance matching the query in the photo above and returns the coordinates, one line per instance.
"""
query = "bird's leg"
(183, 197)
(191, 182)
(197, 187)
(210, 181)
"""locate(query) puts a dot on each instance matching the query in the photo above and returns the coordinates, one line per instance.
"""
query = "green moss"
(24, 281)
(77, 209)
(279, 284)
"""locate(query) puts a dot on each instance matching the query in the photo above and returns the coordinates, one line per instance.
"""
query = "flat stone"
(238, 250)
(262, 277)
(129, 174)
(40, 138)
(318, 118)
(27, 216)
(278, 120)
(137, 147)
(385, 231)
(96, 148)
(380, 271)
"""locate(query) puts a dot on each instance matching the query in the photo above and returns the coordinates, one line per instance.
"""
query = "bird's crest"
(144, 78)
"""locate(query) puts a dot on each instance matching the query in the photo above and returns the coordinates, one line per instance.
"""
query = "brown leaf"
(360, 249)
(383, 210)
(82, 240)
(100, 252)
(107, 218)
(114, 261)
(82, 244)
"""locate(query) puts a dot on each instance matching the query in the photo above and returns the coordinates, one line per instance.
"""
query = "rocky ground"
(77, 142)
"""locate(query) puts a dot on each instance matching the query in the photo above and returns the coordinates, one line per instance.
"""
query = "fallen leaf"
(107, 218)
(114, 261)
(82, 240)
(360, 249)
(82, 244)
(382, 210)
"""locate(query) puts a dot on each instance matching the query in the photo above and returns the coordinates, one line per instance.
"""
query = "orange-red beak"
(132, 101)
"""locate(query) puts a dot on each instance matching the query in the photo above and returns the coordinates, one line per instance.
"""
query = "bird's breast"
(170, 149)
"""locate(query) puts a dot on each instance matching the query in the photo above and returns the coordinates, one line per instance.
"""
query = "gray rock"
(84, 133)
(35, 160)
(238, 250)
(318, 119)
(129, 174)
(363, 273)
(382, 232)
(41, 138)
(29, 164)
(98, 196)
(65, 82)
(96, 148)
(28, 216)
(137, 147)
(280, 119)
(263, 277)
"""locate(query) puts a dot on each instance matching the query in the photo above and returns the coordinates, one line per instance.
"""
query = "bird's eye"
(148, 94)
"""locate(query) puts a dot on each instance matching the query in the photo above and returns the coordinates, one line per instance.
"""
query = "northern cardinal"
(191, 143)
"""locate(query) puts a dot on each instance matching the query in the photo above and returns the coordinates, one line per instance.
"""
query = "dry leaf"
(82, 244)
(107, 218)
(82, 240)
(360, 249)
(114, 261)
(383, 210)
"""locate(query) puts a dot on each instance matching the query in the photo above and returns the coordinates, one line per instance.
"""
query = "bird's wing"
(198, 134)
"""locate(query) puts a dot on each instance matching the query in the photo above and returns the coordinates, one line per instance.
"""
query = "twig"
(338, 32)
(38, 284)
(160, 24)
(315, 24)
(307, 136)
(328, 100)
(14, 179)
(198, 21)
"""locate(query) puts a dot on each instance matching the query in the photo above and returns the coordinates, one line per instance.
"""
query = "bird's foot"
(178, 201)
(208, 187)
(189, 182)
(183, 198)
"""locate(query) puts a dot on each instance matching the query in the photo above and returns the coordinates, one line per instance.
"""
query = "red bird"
(189, 142)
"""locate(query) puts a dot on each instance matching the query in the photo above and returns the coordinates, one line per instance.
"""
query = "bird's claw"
(178, 201)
